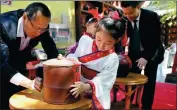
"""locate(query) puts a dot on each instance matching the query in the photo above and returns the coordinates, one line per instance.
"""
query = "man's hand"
(79, 87)
(60, 57)
(141, 63)
(37, 84)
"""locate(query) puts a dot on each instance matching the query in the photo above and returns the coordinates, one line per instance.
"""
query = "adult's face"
(36, 26)
(130, 12)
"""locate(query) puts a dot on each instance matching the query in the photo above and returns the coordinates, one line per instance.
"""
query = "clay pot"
(58, 76)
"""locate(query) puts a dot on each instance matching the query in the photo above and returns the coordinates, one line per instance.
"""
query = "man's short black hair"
(133, 4)
(33, 8)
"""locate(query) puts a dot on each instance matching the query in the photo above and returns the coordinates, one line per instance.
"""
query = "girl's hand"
(79, 87)
(60, 57)
(37, 84)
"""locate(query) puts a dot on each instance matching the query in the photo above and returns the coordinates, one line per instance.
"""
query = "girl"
(99, 62)
(91, 27)
(90, 32)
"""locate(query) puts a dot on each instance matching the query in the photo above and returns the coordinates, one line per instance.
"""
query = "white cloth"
(107, 67)
(20, 33)
(173, 48)
(18, 77)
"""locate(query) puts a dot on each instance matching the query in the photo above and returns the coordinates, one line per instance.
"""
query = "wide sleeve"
(106, 78)
(103, 83)
(49, 45)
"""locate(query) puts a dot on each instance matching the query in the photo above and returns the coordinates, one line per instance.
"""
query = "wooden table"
(28, 99)
(132, 79)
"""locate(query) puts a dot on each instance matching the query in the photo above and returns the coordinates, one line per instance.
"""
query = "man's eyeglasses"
(36, 28)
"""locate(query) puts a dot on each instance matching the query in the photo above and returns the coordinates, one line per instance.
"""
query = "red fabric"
(124, 38)
(76, 72)
(174, 69)
(30, 66)
(119, 95)
(164, 99)
(94, 47)
(95, 55)
(112, 95)
(85, 33)
(94, 12)
(75, 69)
(97, 104)
(165, 96)
(114, 15)
(88, 73)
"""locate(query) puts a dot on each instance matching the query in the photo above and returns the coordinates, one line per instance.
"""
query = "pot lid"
(57, 62)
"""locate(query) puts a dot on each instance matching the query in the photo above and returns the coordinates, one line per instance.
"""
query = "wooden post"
(128, 97)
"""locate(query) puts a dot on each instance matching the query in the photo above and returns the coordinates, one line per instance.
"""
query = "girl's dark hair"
(33, 8)
(115, 28)
(88, 17)
(92, 20)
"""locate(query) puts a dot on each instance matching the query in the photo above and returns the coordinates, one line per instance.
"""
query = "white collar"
(138, 18)
(20, 30)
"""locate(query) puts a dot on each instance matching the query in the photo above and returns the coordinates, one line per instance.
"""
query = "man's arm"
(6, 70)
(156, 41)
(159, 54)
(8, 73)
(49, 45)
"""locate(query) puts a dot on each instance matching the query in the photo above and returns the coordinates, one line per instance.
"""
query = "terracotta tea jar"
(58, 76)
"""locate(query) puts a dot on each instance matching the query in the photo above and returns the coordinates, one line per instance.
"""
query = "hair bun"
(120, 25)
(116, 28)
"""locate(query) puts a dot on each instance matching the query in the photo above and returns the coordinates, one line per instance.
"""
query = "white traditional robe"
(104, 67)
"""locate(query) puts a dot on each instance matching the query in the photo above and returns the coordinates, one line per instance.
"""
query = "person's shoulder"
(114, 57)
(112, 60)
(9, 22)
(85, 44)
(85, 39)
(12, 14)
(148, 12)
(10, 17)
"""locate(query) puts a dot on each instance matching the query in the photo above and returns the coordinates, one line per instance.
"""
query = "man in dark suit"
(21, 31)
(144, 33)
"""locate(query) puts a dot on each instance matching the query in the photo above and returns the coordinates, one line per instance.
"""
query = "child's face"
(104, 40)
(91, 28)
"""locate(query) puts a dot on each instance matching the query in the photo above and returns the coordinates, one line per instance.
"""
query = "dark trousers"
(149, 87)
(7, 90)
